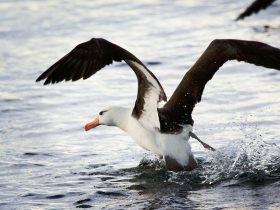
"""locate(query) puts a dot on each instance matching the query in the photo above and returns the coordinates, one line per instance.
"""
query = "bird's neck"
(121, 118)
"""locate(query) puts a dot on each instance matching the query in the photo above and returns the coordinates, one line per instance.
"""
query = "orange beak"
(92, 124)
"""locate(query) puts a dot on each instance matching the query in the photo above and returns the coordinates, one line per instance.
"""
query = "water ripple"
(49, 162)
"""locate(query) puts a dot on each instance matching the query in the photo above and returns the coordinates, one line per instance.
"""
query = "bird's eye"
(102, 112)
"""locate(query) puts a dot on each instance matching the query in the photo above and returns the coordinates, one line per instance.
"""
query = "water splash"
(250, 157)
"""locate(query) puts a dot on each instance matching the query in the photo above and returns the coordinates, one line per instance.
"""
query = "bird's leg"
(206, 146)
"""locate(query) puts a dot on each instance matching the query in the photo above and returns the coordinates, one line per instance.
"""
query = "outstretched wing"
(255, 7)
(190, 89)
(89, 57)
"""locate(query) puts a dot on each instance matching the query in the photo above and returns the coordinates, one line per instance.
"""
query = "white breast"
(173, 145)
(145, 138)
(176, 145)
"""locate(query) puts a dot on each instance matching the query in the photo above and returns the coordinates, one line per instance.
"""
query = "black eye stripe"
(102, 112)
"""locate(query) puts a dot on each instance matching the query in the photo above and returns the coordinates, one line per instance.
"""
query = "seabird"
(164, 131)
(255, 7)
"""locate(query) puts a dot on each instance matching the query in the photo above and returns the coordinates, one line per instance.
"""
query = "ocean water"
(47, 161)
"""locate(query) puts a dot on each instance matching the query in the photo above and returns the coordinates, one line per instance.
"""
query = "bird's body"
(165, 130)
(162, 144)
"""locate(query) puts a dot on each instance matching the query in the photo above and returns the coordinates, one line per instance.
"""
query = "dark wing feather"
(89, 57)
(190, 89)
(255, 7)
(85, 60)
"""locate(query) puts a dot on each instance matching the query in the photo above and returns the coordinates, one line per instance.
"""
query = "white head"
(113, 116)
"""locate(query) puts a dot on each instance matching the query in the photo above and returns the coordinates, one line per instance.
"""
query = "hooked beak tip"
(92, 124)
(86, 128)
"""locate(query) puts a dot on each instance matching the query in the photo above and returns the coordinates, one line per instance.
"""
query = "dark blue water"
(47, 161)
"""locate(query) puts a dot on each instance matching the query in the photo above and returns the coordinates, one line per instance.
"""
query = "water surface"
(47, 161)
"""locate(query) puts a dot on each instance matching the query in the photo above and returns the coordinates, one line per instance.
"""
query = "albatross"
(255, 7)
(164, 130)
